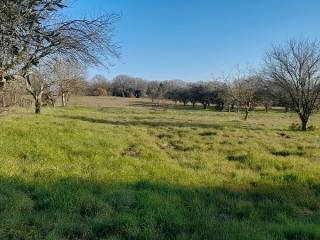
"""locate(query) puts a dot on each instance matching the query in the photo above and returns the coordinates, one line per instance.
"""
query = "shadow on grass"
(75, 208)
(152, 122)
(191, 108)
(149, 104)
(146, 123)
(171, 106)
(197, 107)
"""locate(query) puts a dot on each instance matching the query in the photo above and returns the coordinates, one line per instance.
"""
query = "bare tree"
(99, 86)
(295, 67)
(234, 93)
(32, 35)
(69, 78)
(39, 82)
(247, 88)
(264, 98)
(154, 90)
(13, 93)
(242, 92)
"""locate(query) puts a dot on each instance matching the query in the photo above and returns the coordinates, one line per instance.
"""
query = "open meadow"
(112, 168)
(159, 120)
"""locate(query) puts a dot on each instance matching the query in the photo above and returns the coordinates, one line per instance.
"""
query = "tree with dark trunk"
(295, 67)
(183, 95)
(38, 82)
(38, 104)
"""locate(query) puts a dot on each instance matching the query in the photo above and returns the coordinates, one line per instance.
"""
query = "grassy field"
(113, 168)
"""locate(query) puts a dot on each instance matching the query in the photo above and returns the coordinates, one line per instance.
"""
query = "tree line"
(243, 92)
(46, 56)
(289, 78)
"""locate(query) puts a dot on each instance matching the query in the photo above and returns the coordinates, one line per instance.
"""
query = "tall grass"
(114, 171)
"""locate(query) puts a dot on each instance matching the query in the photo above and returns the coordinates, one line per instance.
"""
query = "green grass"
(129, 172)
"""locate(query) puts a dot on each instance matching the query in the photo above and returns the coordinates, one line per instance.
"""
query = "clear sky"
(195, 39)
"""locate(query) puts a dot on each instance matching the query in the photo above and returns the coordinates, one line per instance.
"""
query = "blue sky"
(195, 39)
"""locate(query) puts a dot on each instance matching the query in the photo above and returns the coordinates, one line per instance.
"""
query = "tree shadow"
(78, 208)
(152, 122)
(148, 104)
(170, 105)
(197, 108)
(173, 106)
(191, 108)
(145, 122)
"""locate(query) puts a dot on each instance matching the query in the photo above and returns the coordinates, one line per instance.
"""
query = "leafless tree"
(241, 91)
(40, 81)
(154, 90)
(247, 88)
(69, 78)
(295, 67)
(99, 86)
(32, 35)
(13, 93)
(233, 97)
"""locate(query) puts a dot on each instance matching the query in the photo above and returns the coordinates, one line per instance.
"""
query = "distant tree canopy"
(99, 86)
(244, 93)
(241, 93)
(125, 86)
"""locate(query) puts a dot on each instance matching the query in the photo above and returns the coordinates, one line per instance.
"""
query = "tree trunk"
(3, 101)
(14, 99)
(205, 106)
(193, 105)
(304, 122)
(37, 103)
(304, 126)
(246, 113)
(63, 100)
